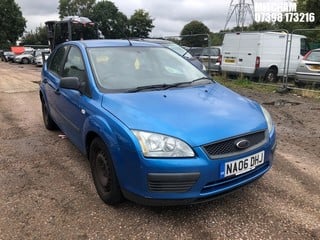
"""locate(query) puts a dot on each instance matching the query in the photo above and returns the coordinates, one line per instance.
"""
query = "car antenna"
(123, 33)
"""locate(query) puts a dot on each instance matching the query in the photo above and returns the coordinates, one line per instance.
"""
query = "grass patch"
(241, 82)
(309, 93)
(244, 83)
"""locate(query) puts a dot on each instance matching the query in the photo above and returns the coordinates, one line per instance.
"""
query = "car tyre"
(103, 173)
(271, 76)
(48, 121)
(300, 84)
(25, 61)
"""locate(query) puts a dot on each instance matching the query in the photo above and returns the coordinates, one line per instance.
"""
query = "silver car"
(24, 58)
(308, 70)
(211, 58)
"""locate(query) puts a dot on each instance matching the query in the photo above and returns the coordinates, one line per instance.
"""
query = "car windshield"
(180, 50)
(125, 68)
(314, 56)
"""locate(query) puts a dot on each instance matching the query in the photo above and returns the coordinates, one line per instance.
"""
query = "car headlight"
(268, 118)
(158, 145)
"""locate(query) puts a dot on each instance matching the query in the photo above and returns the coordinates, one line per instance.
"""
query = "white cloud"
(169, 16)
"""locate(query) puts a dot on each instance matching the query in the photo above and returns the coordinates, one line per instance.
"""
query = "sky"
(170, 16)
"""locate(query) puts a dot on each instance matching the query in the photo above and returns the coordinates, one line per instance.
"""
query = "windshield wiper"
(203, 79)
(165, 86)
(149, 87)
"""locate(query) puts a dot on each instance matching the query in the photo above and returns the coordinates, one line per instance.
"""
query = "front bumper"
(189, 181)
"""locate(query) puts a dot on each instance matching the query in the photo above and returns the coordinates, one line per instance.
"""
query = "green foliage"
(111, 22)
(140, 24)
(310, 6)
(12, 23)
(216, 39)
(38, 37)
(199, 30)
(261, 26)
(75, 7)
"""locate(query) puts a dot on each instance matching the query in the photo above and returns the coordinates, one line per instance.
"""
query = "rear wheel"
(48, 122)
(271, 76)
(103, 173)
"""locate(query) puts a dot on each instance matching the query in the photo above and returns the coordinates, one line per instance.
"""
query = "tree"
(199, 30)
(112, 23)
(38, 37)
(12, 23)
(216, 39)
(310, 6)
(75, 7)
(140, 24)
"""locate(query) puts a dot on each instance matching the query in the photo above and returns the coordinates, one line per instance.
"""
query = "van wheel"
(103, 173)
(271, 76)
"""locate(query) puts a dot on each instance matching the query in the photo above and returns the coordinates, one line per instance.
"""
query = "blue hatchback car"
(155, 129)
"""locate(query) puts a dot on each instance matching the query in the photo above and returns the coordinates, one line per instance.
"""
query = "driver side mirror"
(70, 83)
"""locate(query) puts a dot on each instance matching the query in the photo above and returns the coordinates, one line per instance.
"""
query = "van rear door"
(248, 52)
(239, 52)
(230, 52)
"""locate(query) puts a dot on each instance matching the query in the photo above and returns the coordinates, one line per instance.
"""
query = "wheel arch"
(275, 68)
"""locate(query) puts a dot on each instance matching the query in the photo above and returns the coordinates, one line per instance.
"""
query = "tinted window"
(55, 64)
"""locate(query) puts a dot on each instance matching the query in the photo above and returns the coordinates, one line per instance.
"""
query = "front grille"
(172, 182)
(228, 147)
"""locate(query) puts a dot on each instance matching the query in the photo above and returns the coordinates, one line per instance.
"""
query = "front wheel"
(271, 76)
(103, 173)
(25, 61)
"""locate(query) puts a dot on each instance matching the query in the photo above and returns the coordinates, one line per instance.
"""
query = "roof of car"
(155, 40)
(114, 43)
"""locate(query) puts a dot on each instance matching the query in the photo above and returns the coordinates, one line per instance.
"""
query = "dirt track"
(46, 190)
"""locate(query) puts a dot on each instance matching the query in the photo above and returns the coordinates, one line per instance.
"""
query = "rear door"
(230, 52)
(248, 51)
(51, 80)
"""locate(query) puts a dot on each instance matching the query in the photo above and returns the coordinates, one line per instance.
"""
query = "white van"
(261, 54)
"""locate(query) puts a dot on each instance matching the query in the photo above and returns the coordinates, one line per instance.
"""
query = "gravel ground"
(46, 190)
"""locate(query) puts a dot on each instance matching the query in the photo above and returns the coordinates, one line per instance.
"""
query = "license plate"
(229, 60)
(242, 165)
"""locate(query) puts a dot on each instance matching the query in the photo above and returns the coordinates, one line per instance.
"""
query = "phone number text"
(285, 17)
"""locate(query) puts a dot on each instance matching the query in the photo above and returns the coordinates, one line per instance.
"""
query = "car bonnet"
(198, 115)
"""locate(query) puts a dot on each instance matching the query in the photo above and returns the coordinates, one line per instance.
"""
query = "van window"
(304, 47)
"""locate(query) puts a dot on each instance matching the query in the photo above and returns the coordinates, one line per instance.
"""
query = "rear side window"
(55, 64)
